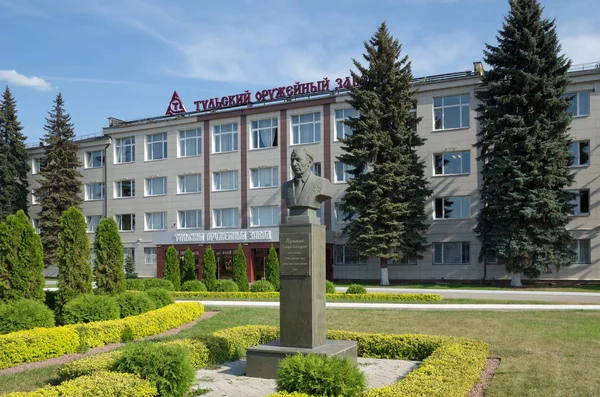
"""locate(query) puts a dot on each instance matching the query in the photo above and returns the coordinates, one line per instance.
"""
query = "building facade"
(213, 177)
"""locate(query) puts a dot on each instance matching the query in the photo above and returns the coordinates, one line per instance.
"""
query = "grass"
(541, 287)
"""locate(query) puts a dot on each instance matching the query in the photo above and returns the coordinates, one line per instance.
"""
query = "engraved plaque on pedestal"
(295, 249)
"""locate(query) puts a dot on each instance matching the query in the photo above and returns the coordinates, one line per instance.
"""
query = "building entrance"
(224, 263)
(260, 262)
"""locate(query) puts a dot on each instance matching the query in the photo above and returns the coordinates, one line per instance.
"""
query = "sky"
(124, 58)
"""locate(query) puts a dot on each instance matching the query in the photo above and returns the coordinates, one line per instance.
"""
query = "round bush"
(329, 287)
(262, 286)
(134, 303)
(319, 375)
(134, 284)
(88, 308)
(356, 289)
(24, 314)
(161, 297)
(226, 286)
(193, 285)
(158, 283)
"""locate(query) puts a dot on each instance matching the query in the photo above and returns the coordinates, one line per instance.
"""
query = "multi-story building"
(212, 177)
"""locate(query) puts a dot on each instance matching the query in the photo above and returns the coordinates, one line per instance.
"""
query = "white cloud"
(13, 77)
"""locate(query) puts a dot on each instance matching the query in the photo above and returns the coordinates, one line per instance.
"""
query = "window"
(125, 150)
(156, 146)
(412, 124)
(580, 152)
(156, 186)
(451, 253)
(92, 257)
(156, 221)
(226, 138)
(94, 191)
(225, 217)
(150, 255)
(452, 208)
(451, 112)
(37, 165)
(341, 216)
(581, 251)
(225, 180)
(264, 133)
(36, 225)
(265, 216)
(341, 129)
(92, 222)
(342, 173)
(189, 219)
(452, 163)
(581, 202)
(129, 251)
(190, 143)
(94, 159)
(316, 169)
(264, 177)
(189, 184)
(405, 260)
(125, 189)
(125, 222)
(34, 199)
(580, 103)
(345, 255)
(306, 128)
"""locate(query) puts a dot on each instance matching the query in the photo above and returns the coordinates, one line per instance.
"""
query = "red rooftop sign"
(176, 105)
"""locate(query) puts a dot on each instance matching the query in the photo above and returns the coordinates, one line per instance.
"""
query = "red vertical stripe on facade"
(327, 158)
(244, 170)
(207, 175)
(283, 154)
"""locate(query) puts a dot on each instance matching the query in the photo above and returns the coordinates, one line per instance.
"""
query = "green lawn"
(541, 287)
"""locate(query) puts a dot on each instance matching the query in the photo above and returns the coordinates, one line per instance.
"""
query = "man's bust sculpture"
(304, 194)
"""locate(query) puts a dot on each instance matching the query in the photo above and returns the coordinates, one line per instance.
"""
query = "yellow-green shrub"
(231, 344)
(199, 354)
(225, 295)
(89, 365)
(369, 297)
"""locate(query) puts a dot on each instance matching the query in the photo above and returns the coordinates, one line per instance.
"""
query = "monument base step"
(262, 360)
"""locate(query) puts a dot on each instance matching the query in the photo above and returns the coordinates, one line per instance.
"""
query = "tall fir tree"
(524, 146)
(14, 164)
(388, 190)
(60, 182)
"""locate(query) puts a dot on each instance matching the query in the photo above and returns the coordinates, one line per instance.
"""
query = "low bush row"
(143, 284)
(330, 297)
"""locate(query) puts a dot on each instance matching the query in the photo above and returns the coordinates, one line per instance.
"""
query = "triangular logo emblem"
(176, 105)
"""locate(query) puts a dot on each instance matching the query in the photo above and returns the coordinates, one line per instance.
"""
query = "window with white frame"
(189, 184)
(34, 198)
(225, 138)
(267, 215)
(342, 172)
(451, 163)
(156, 146)
(189, 219)
(36, 225)
(129, 252)
(190, 143)
(156, 221)
(125, 222)
(341, 129)
(341, 216)
(345, 255)
(150, 255)
(404, 260)
(37, 165)
(412, 123)
(225, 180)
(125, 188)
(94, 159)
(581, 202)
(125, 150)
(580, 153)
(156, 186)
(452, 253)
(452, 208)
(451, 111)
(264, 133)
(225, 217)
(94, 191)
(581, 251)
(264, 177)
(580, 103)
(306, 128)
(316, 169)
(92, 222)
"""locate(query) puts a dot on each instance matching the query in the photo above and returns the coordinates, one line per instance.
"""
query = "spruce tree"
(523, 144)
(130, 267)
(240, 276)
(189, 271)
(108, 265)
(171, 269)
(60, 182)
(273, 268)
(209, 269)
(14, 164)
(21, 260)
(73, 257)
(389, 189)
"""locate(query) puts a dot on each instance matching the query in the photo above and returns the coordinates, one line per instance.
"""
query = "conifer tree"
(523, 146)
(73, 256)
(60, 183)
(108, 264)
(240, 276)
(171, 269)
(130, 267)
(21, 260)
(387, 189)
(273, 268)
(14, 164)
(189, 271)
(209, 269)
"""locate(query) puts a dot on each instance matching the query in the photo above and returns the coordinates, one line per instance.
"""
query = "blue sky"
(124, 58)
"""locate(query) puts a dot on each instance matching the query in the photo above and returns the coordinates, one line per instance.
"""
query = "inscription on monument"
(295, 254)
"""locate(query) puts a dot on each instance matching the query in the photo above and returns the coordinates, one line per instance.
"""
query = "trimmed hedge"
(262, 286)
(24, 314)
(88, 308)
(161, 297)
(135, 303)
(330, 297)
(193, 285)
(356, 289)
(231, 344)
(226, 286)
(143, 284)
(329, 287)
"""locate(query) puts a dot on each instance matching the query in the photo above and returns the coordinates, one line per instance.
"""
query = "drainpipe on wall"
(105, 211)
